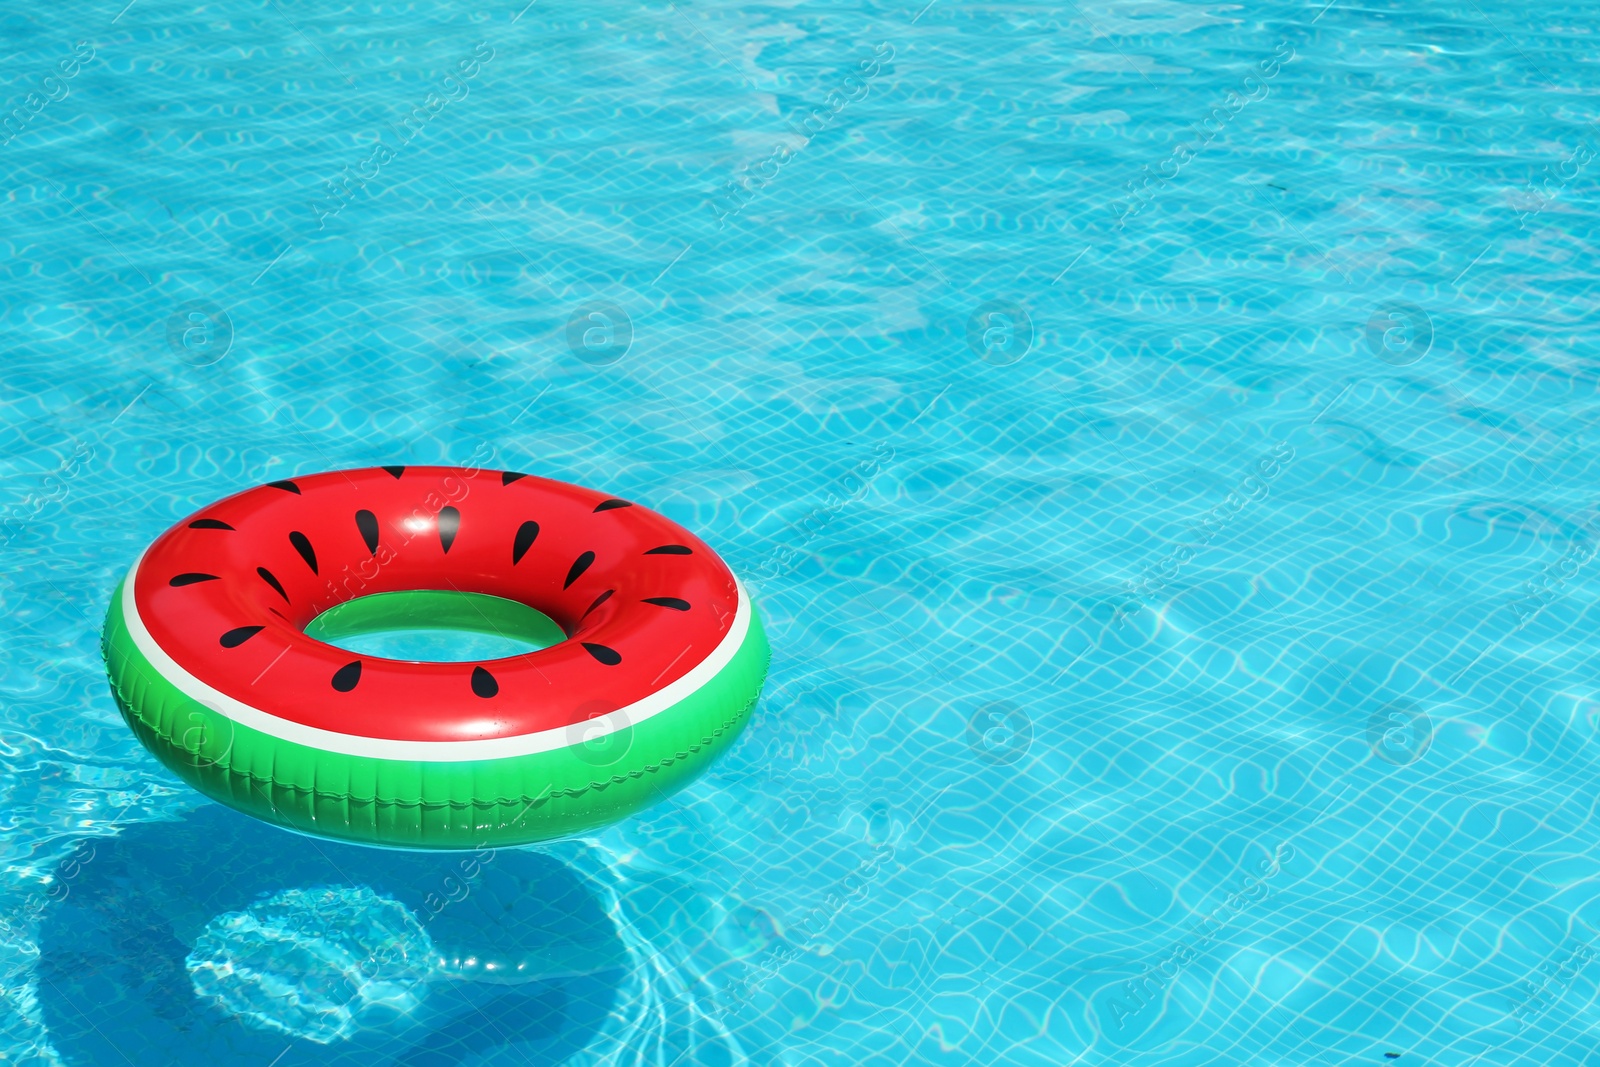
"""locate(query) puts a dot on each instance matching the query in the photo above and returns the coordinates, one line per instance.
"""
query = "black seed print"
(605, 655)
(601, 599)
(303, 546)
(507, 477)
(579, 565)
(483, 683)
(367, 524)
(286, 485)
(668, 602)
(449, 526)
(397, 471)
(346, 677)
(191, 578)
(209, 524)
(671, 550)
(268, 577)
(523, 541)
(238, 636)
(608, 505)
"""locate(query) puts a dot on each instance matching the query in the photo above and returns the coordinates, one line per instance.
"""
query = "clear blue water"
(1160, 436)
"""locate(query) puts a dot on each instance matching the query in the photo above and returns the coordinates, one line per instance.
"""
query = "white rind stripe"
(431, 751)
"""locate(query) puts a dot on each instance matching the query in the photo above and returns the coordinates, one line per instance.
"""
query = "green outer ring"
(418, 804)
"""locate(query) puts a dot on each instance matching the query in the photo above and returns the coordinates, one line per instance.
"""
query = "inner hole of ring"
(435, 626)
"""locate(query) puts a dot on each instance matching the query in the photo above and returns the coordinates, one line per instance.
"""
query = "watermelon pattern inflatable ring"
(214, 647)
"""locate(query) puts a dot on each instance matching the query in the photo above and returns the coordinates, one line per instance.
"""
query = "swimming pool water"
(1160, 436)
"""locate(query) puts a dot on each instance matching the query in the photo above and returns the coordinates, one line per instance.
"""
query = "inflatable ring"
(655, 656)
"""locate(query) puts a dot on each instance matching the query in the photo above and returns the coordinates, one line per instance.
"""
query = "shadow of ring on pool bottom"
(115, 956)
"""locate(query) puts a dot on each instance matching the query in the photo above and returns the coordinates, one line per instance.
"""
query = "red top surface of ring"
(228, 592)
